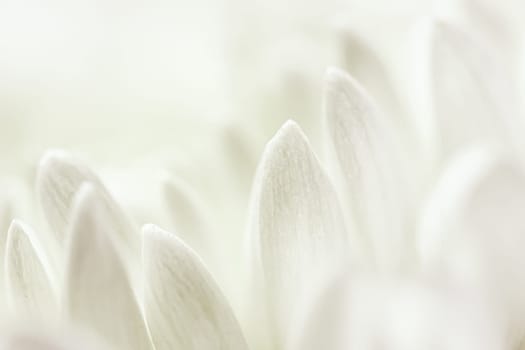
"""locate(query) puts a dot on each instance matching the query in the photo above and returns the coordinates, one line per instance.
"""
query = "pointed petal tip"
(154, 236)
(334, 72)
(151, 234)
(15, 228)
(287, 140)
(337, 78)
(152, 231)
(58, 179)
(51, 157)
(342, 89)
(289, 127)
(290, 123)
(60, 162)
(289, 130)
(18, 226)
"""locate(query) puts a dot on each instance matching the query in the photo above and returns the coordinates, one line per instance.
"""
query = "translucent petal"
(366, 313)
(370, 166)
(184, 307)
(472, 231)
(60, 178)
(297, 230)
(39, 337)
(472, 95)
(366, 66)
(98, 293)
(30, 285)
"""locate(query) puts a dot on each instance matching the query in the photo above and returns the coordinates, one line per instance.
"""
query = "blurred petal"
(472, 95)
(184, 307)
(472, 230)
(29, 281)
(366, 66)
(365, 313)
(36, 337)
(298, 232)
(497, 23)
(215, 234)
(60, 177)
(58, 180)
(369, 165)
(98, 294)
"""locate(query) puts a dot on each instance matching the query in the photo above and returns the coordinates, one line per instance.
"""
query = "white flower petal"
(219, 248)
(98, 293)
(471, 93)
(497, 23)
(366, 66)
(29, 337)
(58, 180)
(188, 214)
(473, 230)
(369, 165)
(297, 231)
(184, 307)
(365, 313)
(30, 282)
(14, 198)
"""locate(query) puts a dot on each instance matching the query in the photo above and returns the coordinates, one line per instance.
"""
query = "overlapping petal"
(29, 337)
(362, 312)
(366, 65)
(184, 307)
(30, 282)
(473, 231)
(98, 293)
(58, 180)
(297, 229)
(60, 177)
(472, 96)
(370, 167)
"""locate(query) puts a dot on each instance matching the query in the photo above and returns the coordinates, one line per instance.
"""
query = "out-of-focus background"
(120, 79)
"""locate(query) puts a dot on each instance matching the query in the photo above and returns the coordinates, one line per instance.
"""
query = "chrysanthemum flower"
(391, 222)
